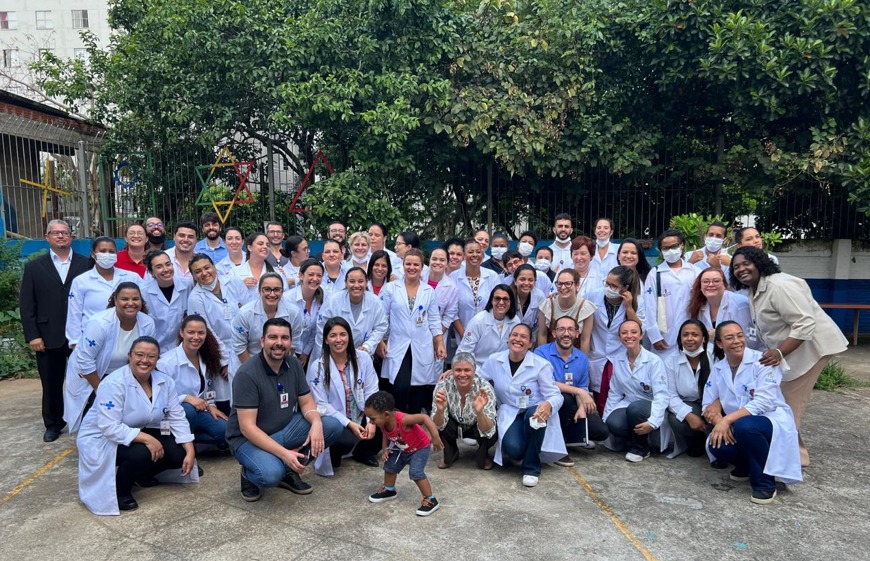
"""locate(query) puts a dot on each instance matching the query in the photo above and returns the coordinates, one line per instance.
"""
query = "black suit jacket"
(44, 299)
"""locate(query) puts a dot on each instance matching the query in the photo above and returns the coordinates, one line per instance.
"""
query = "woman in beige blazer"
(798, 335)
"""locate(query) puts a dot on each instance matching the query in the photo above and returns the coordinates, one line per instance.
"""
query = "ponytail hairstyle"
(307, 264)
(630, 278)
(718, 353)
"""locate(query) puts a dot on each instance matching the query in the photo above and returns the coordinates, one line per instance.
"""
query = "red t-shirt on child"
(407, 440)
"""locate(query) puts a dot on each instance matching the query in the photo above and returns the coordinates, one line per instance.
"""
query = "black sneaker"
(428, 506)
(738, 476)
(382, 495)
(718, 464)
(250, 492)
(146, 482)
(293, 483)
(763, 497)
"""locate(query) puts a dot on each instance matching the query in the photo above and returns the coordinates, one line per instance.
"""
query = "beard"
(156, 239)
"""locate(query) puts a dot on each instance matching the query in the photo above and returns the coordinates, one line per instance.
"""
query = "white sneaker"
(530, 480)
(632, 457)
(469, 442)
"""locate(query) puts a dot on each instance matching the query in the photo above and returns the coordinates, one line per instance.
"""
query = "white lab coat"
(705, 264)
(605, 338)
(219, 314)
(243, 271)
(305, 344)
(329, 287)
(483, 338)
(468, 305)
(225, 266)
(368, 330)
(605, 265)
(676, 291)
(188, 378)
(167, 316)
(332, 401)
(734, 307)
(648, 381)
(248, 325)
(89, 293)
(535, 374)
(682, 387)
(413, 329)
(180, 271)
(121, 409)
(542, 282)
(590, 283)
(448, 300)
(756, 388)
(561, 257)
(93, 353)
(530, 318)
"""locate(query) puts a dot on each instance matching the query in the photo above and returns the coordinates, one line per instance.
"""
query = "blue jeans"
(205, 428)
(522, 442)
(621, 423)
(749, 453)
(266, 470)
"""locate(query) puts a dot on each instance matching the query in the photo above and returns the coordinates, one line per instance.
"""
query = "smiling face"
(271, 291)
(482, 238)
(212, 230)
(519, 341)
(276, 343)
(603, 230)
(58, 237)
(745, 271)
(712, 283)
(162, 270)
(563, 230)
(501, 303)
(203, 272)
(135, 237)
(356, 286)
(380, 269)
(751, 237)
(473, 254)
(413, 266)
(732, 341)
(185, 239)
(193, 335)
(565, 332)
(463, 375)
(128, 303)
(581, 258)
(691, 337)
(143, 358)
(258, 249)
(525, 281)
(331, 254)
(360, 247)
(234, 241)
(455, 257)
(337, 339)
(627, 256)
(312, 277)
(401, 247)
(275, 233)
(630, 335)
(337, 232)
(565, 285)
(438, 261)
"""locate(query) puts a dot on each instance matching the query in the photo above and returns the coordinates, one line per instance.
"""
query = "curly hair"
(757, 257)
(381, 401)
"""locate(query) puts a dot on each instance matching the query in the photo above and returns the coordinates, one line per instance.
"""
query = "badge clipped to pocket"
(165, 428)
(210, 397)
(285, 400)
(569, 377)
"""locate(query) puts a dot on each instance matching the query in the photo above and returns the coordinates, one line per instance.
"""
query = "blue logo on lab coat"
(91, 342)
(108, 405)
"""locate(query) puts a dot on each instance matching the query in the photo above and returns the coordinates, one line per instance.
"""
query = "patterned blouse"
(466, 417)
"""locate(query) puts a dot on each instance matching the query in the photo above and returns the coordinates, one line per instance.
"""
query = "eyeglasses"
(59, 234)
(566, 284)
(148, 356)
(154, 224)
(561, 330)
(337, 230)
(711, 281)
(271, 290)
(501, 299)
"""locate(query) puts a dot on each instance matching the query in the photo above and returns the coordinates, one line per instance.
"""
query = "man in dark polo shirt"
(273, 415)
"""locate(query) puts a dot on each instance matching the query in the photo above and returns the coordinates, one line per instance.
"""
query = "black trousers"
(451, 433)
(575, 432)
(361, 448)
(51, 364)
(134, 461)
(410, 399)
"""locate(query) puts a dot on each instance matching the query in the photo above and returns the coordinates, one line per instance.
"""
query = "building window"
(43, 20)
(8, 20)
(80, 19)
(10, 58)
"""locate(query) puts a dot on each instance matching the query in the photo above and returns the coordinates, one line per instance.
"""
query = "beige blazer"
(783, 306)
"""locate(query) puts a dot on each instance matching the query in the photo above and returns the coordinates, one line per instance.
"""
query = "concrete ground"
(606, 507)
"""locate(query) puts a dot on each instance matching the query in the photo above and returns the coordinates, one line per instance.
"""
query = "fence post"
(488, 199)
(83, 183)
(271, 175)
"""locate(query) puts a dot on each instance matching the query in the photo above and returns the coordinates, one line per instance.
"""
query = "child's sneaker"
(428, 506)
(382, 495)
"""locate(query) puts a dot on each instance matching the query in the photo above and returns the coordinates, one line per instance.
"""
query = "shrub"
(834, 377)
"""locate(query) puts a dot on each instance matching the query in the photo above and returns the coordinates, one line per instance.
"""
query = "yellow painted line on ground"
(26, 483)
(608, 510)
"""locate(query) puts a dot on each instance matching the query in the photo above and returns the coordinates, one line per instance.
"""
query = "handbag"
(662, 315)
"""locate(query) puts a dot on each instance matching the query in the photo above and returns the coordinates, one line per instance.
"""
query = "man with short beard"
(211, 244)
(156, 232)
(563, 228)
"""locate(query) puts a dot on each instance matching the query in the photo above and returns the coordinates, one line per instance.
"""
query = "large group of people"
(250, 346)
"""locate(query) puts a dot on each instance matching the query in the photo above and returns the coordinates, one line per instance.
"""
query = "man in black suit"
(43, 299)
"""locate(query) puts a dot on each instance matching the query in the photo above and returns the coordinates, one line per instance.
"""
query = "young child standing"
(405, 443)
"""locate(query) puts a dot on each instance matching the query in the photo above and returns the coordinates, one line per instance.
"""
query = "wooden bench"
(857, 309)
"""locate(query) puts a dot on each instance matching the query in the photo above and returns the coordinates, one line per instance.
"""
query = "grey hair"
(465, 358)
(57, 221)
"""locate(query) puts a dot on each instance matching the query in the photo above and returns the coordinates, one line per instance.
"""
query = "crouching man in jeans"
(274, 428)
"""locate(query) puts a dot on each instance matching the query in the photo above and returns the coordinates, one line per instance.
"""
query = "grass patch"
(835, 377)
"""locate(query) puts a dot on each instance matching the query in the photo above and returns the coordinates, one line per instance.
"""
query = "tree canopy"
(750, 100)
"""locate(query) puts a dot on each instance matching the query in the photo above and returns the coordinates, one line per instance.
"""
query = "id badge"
(569, 377)
(165, 429)
(419, 320)
(210, 397)
(285, 400)
(523, 402)
(228, 312)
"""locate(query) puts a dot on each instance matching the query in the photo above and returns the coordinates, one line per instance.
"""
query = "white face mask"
(106, 260)
(602, 243)
(672, 255)
(693, 354)
(542, 265)
(525, 249)
(498, 252)
(210, 287)
(713, 245)
(611, 293)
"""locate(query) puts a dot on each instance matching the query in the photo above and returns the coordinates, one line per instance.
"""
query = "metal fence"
(54, 170)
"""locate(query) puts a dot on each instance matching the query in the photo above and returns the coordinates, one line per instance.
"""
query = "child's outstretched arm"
(428, 424)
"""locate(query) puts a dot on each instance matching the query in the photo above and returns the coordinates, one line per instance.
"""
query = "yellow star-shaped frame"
(46, 186)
